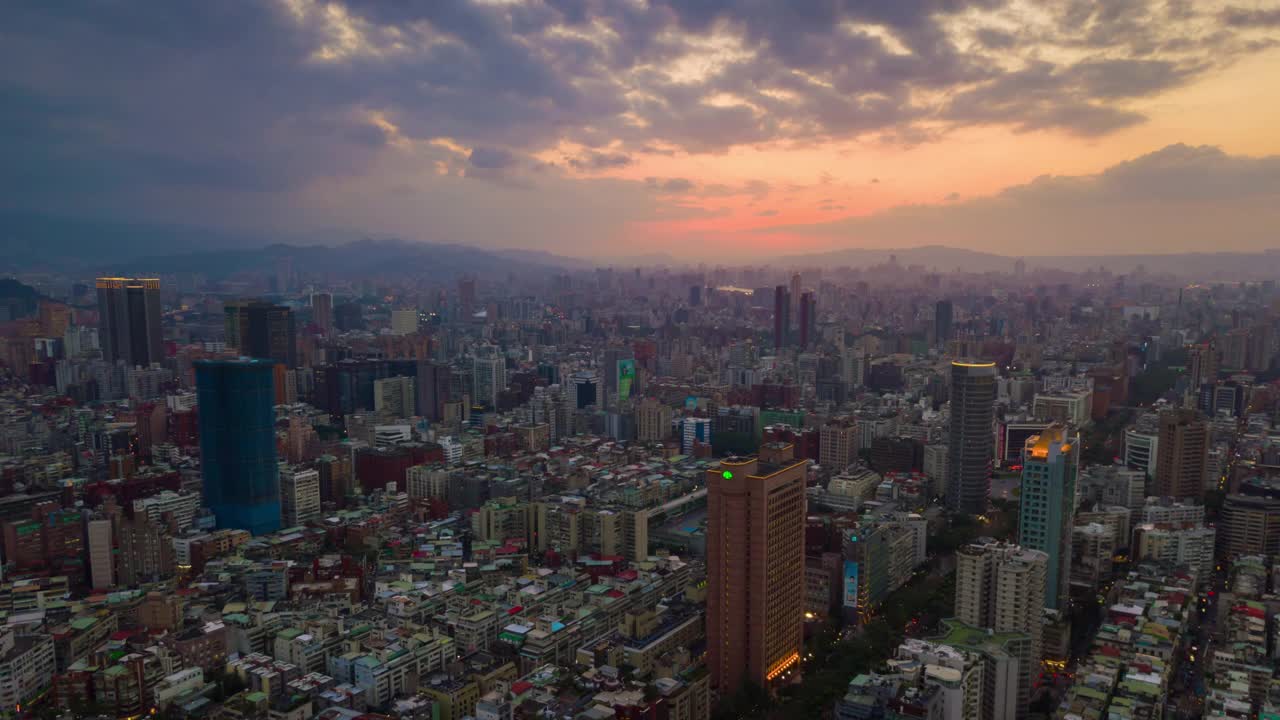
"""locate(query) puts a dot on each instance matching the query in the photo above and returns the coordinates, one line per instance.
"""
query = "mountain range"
(40, 242)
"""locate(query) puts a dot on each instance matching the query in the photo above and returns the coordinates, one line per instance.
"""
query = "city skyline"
(588, 129)
(643, 359)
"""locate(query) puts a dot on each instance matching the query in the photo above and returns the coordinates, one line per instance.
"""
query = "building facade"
(1182, 450)
(238, 444)
(129, 320)
(1046, 510)
(970, 445)
(755, 568)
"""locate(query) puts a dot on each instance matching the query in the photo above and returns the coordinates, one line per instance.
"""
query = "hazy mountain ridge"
(34, 242)
(391, 258)
(38, 242)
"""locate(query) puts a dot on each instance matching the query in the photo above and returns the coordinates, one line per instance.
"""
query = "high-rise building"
(394, 396)
(653, 420)
(1202, 364)
(585, 388)
(619, 371)
(1141, 446)
(129, 320)
(322, 311)
(808, 319)
(238, 443)
(178, 510)
(489, 375)
(404, 322)
(781, 316)
(262, 330)
(956, 673)
(101, 554)
(432, 388)
(1187, 545)
(970, 447)
(299, 495)
(838, 444)
(1182, 452)
(885, 551)
(467, 298)
(1004, 655)
(146, 551)
(1093, 548)
(755, 568)
(27, 667)
(1000, 588)
(942, 321)
(1251, 520)
(694, 431)
(1046, 513)
(794, 295)
(426, 481)
(348, 316)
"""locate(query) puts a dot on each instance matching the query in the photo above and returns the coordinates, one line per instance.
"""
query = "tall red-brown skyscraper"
(755, 568)
(781, 316)
(1182, 451)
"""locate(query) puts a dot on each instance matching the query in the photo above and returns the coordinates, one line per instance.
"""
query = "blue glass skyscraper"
(237, 443)
(1047, 509)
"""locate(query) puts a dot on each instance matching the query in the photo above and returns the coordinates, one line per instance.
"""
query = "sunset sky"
(704, 129)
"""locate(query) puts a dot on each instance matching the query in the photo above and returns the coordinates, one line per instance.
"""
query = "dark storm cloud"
(669, 185)
(1177, 173)
(593, 160)
(1179, 198)
(1074, 98)
(1250, 18)
(491, 158)
(995, 38)
(270, 96)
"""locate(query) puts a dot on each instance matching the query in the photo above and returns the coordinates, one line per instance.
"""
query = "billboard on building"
(850, 584)
(626, 377)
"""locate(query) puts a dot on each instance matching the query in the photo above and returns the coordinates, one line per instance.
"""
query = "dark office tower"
(808, 319)
(322, 311)
(467, 297)
(348, 316)
(755, 568)
(695, 296)
(1181, 452)
(942, 321)
(586, 389)
(262, 330)
(781, 316)
(129, 320)
(238, 443)
(973, 399)
(432, 388)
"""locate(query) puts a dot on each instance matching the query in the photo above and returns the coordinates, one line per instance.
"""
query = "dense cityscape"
(640, 360)
(676, 494)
